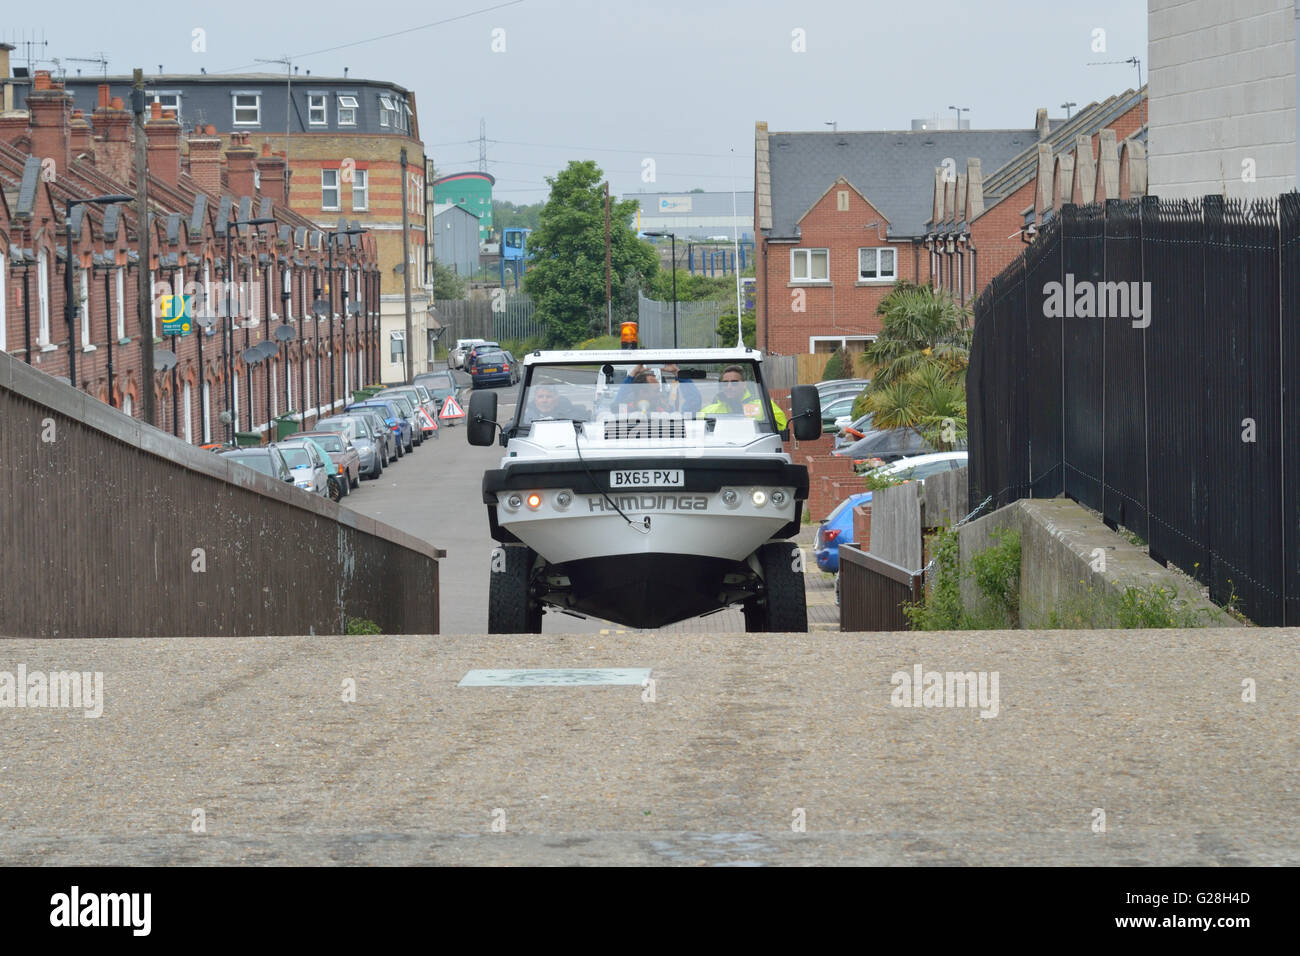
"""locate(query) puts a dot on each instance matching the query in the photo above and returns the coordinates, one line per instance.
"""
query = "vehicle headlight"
(759, 497)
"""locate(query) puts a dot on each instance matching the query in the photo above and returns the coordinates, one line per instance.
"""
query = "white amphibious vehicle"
(645, 487)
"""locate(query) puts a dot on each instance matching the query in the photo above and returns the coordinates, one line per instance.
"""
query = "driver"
(642, 383)
(548, 403)
(736, 398)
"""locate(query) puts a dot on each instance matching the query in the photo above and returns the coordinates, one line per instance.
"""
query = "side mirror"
(482, 418)
(807, 407)
(288, 479)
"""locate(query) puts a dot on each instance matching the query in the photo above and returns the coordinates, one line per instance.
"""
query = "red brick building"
(285, 357)
(980, 221)
(840, 217)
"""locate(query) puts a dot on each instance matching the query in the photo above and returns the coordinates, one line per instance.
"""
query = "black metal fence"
(1169, 404)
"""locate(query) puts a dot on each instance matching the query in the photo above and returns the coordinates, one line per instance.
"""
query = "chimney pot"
(155, 110)
(117, 103)
(210, 130)
(103, 96)
(41, 80)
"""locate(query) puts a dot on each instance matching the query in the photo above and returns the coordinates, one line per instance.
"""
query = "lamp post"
(68, 310)
(959, 110)
(330, 238)
(233, 425)
(672, 236)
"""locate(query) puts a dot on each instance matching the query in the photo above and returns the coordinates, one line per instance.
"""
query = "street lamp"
(959, 110)
(673, 237)
(68, 310)
(232, 426)
(329, 289)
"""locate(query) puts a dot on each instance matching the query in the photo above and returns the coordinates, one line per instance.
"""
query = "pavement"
(747, 737)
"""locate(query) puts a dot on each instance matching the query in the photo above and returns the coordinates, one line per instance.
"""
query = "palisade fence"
(697, 323)
(1182, 429)
(476, 319)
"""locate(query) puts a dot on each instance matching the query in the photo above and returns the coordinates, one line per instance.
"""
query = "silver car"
(310, 472)
(456, 357)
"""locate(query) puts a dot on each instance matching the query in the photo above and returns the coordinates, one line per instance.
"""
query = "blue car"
(393, 418)
(837, 530)
(492, 368)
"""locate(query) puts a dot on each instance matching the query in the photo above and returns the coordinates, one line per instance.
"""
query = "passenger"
(736, 398)
(682, 395)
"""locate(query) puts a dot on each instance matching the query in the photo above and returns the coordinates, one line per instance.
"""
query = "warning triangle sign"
(451, 409)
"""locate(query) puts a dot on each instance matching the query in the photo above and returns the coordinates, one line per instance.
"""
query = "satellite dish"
(164, 360)
(285, 333)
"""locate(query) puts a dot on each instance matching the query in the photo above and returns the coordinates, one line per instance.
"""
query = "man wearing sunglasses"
(735, 398)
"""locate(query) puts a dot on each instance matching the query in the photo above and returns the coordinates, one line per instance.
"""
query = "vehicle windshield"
(260, 463)
(328, 442)
(296, 457)
(403, 405)
(593, 392)
(350, 427)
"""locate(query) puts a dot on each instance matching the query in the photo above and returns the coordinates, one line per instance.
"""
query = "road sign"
(177, 314)
(451, 409)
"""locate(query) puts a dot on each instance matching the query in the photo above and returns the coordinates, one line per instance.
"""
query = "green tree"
(566, 277)
(446, 283)
(919, 361)
(727, 328)
(508, 215)
(692, 288)
(834, 366)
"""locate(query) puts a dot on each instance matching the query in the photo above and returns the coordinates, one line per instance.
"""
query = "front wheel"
(511, 607)
(782, 606)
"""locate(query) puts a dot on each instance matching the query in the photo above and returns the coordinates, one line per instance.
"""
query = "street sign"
(177, 314)
(451, 409)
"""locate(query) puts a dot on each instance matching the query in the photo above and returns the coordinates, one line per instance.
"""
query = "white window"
(275, 394)
(347, 111)
(809, 265)
(252, 296)
(4, 292)
(329, 189)
(168, 101)
(207, 412)
(361, 368)
(207, 291)
(842, 200)
(386, 110)
(877, 264)
(306, 381)
(288, 386)
(153, 305)
(247, 109)
(288, 303)
(235, 392)
(120, 295)
(316, 110)
(128, 406)
(347, 376)
(360, 190)
(187, 411)
(84, 307)
(43, 298)
(396, 346)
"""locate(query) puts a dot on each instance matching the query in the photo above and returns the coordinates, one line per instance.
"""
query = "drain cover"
(557, 677)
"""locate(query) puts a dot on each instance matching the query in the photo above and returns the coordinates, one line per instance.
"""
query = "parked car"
(471, 357)
(858, 428)
(492, 368)
(310, 472)
(836, 387)
(921, 467)
(407, 407)
(336, 486)
(836, 530)
(425, 409)
(394, 419)
(371, 448)
(456, 357)
(886, 445)
(267, 460)
(441, 385)
(345, 455)
(836, 407)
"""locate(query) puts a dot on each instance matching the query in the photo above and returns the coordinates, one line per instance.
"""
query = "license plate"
(487, 369)
(647, 478)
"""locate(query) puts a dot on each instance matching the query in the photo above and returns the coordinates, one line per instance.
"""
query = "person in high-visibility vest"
(735, 398)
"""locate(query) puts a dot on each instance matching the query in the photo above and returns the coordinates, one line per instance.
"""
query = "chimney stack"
(164, 136)
(239, 165)
(80, 135)
(113, 133)
(50, 105)
(205, 160)
(270, 168)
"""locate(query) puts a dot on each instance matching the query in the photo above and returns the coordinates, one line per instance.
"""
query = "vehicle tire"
(335, 492)
(511, 608)
(755, 619)
(346, 485)
(786, 607)
(356, 482)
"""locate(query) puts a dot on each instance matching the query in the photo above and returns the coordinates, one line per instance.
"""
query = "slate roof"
(893, 169)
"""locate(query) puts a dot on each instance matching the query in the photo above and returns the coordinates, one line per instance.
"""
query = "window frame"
(361, 184)
(878, 278)
(119, 295)
(396, 335)
(235, 96)
(338, 192)
(349, 104)
(4, 297)
(386, 108)
(807, 254)
(156, 96)
(83, 308)
(313, 105)
(43, 301)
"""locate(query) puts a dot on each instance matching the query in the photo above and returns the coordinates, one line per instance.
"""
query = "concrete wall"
(112, 528)
(1223, 90)
(1059, 545)
(946, 497)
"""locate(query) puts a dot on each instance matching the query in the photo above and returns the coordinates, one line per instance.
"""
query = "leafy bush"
(941, 609)
(834, 367)
(359, 625)
(601, 342)
(996, 571)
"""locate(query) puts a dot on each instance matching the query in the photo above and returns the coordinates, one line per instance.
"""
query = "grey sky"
(643, 80)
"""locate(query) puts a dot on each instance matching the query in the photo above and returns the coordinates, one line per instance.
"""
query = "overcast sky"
(620, 81)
